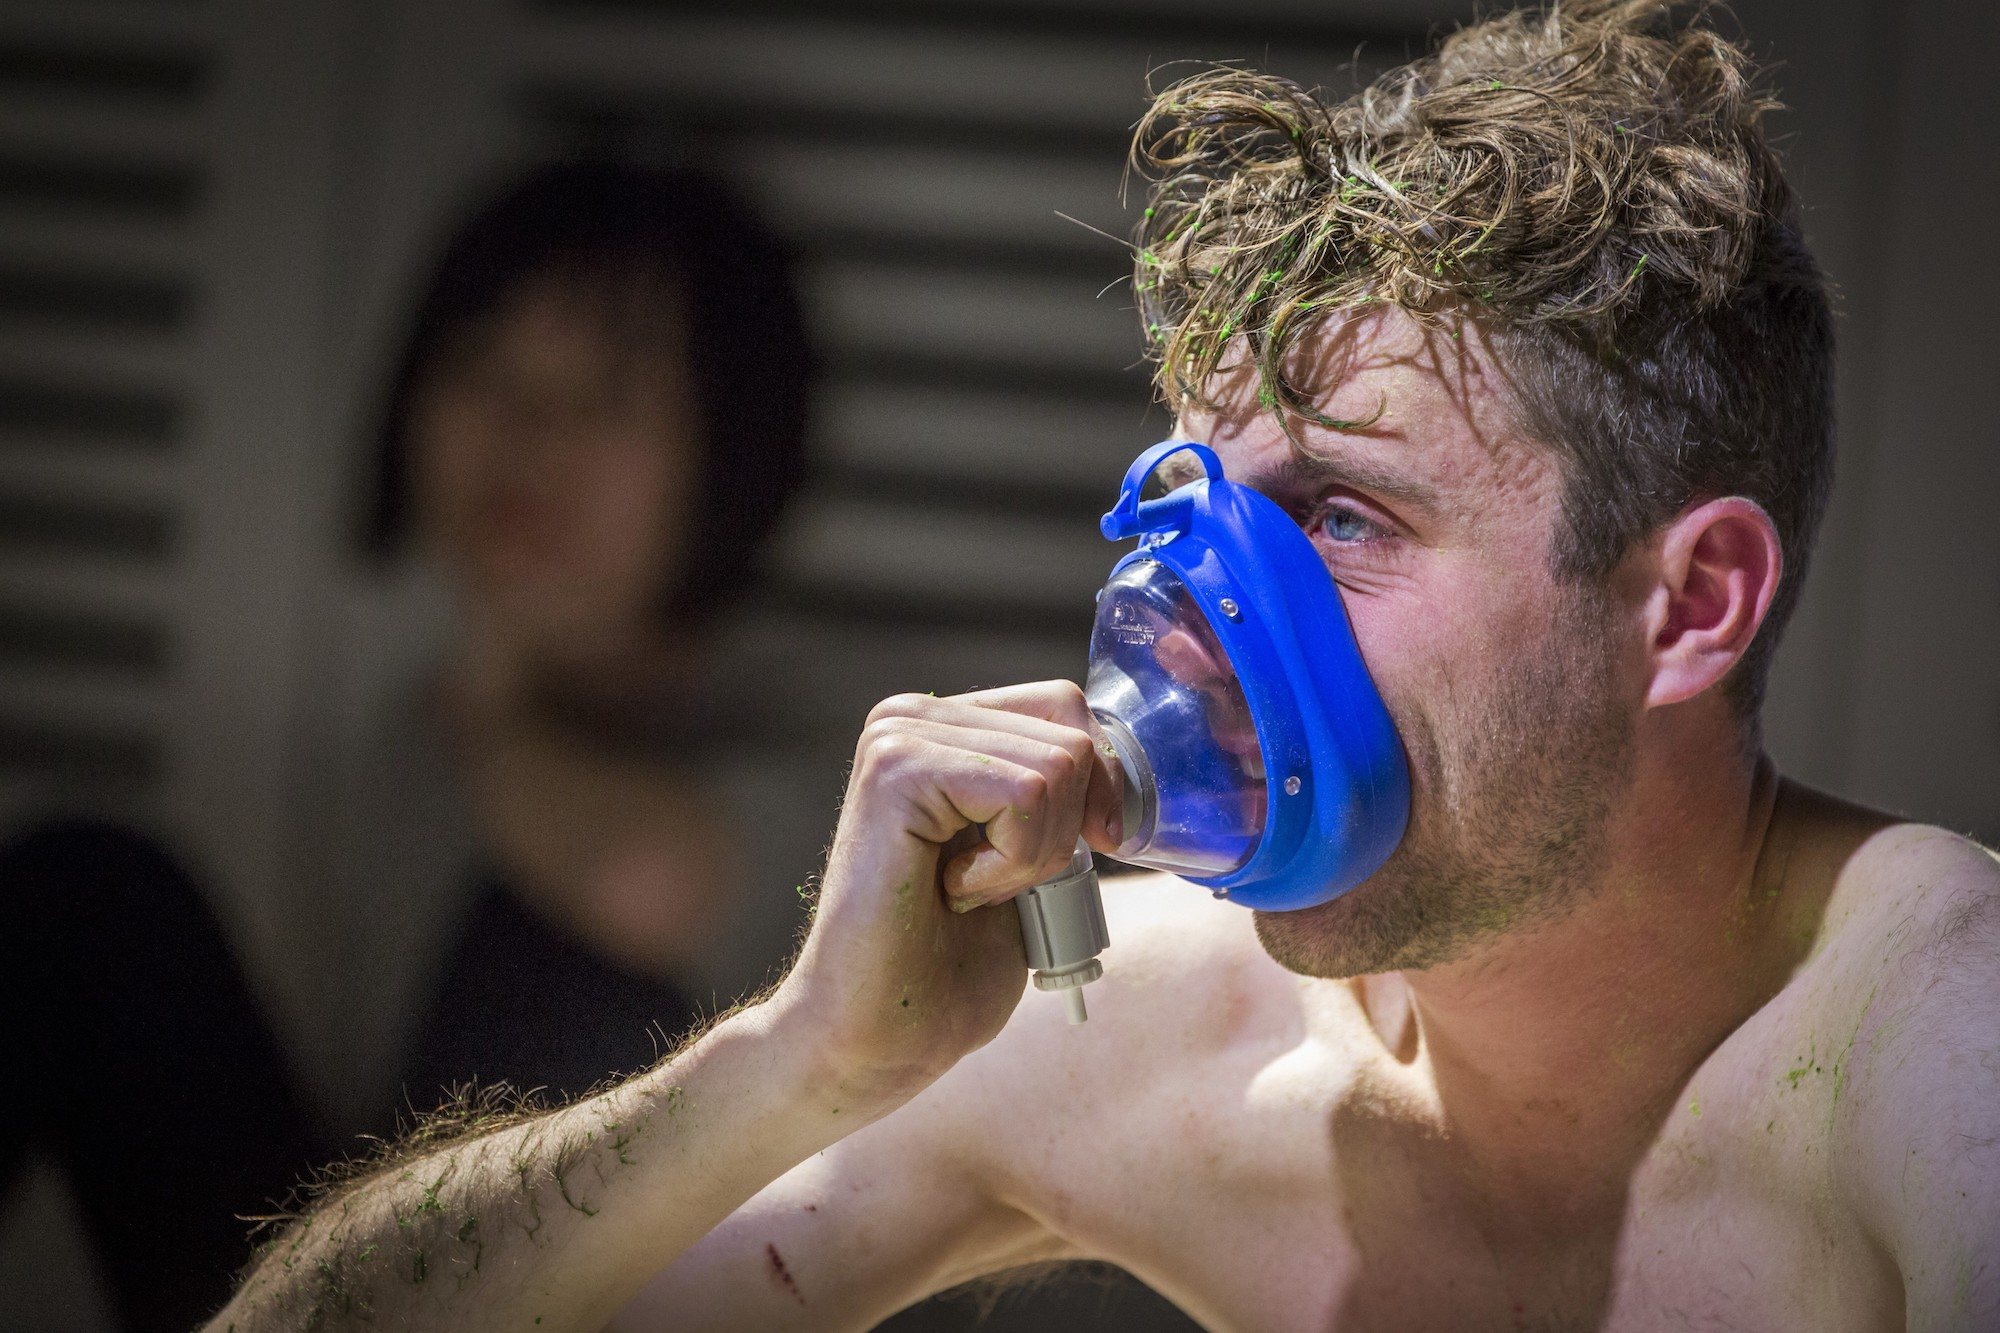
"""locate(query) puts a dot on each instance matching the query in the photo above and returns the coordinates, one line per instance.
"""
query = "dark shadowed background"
(210, 215)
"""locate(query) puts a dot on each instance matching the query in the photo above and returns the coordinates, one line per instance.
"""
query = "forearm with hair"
(549, 1221)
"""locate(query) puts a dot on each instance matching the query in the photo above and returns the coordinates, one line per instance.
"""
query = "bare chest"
(1255, 1204)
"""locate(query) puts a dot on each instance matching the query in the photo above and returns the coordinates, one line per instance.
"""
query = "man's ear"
(1719, 564)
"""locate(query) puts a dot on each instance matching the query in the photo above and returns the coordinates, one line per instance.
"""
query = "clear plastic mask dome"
(1165, 692)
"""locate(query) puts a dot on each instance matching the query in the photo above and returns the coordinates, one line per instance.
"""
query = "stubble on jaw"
(1511, 795)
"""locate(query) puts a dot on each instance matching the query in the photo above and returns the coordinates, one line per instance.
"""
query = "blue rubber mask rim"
(1319, 717)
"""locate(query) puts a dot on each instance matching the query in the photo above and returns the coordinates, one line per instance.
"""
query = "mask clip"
(1166, 515)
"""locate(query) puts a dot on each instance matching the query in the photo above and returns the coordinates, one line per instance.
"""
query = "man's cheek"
(1397, 654)
(1418, 678)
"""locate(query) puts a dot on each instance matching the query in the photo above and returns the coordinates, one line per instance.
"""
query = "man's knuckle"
(878, 732)
(889, 746)
(899, 705)
(1061, 764)
(1031, 790)
(1067, 693)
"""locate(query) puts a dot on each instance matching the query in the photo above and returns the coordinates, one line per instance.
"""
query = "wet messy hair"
(1590, 184)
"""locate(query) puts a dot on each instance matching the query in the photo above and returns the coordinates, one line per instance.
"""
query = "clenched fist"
(954, 806)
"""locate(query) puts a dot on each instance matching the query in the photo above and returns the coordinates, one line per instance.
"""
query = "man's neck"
(1556, 1051)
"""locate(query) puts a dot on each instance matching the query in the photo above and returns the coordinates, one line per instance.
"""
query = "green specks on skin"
(567, 1156)
(1694, 1108)
(1844, 1062)
(581, 1206)
(1808, 1065)
(622, 1135)
(429, 1203)
(675, 1099)
(906, 904)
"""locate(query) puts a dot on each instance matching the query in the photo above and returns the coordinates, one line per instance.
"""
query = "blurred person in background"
(594, 425)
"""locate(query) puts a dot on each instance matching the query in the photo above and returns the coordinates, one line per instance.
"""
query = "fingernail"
(964, 905)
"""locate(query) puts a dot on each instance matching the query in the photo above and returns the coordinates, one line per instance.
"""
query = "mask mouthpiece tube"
(1063, 931)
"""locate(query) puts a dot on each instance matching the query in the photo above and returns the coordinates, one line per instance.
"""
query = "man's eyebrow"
(1303, 473)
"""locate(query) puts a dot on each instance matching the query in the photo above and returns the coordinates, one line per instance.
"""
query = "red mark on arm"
(783, 1275)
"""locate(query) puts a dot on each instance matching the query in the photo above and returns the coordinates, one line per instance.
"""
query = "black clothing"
(140, 1061)
(144, 1066)
(520, 1001)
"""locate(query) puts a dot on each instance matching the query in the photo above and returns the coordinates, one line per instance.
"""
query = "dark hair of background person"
(728, 279)
(1590, 184)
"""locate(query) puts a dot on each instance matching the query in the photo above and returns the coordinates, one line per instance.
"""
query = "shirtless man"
(1629, 1032)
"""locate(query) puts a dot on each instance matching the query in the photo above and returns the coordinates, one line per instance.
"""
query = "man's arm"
(1918, 1140)
(902, 1209)
(553, 1221)
(912, 962)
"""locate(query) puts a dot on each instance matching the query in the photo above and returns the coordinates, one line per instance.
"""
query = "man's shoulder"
(1906, 983)
(1907, 904)
(1907, 923)
(1914, 944)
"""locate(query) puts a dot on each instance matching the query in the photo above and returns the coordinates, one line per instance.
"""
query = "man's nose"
(1189, 660)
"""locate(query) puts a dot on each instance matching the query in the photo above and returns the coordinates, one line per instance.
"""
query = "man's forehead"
(1420, 405)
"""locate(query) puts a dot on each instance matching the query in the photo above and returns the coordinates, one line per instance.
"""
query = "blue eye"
(1343, 524)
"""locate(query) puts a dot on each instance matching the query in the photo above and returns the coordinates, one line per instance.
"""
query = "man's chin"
(1407, 915)
(1334, 940)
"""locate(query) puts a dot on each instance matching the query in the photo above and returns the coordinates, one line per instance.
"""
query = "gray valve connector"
(1062, 926)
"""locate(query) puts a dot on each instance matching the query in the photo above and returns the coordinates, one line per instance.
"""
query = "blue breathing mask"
(1259, 759)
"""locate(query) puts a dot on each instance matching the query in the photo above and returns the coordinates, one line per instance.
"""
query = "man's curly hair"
(1591, 185)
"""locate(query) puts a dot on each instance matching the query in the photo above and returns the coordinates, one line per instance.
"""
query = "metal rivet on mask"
(1292, 785)
(1229, 608)
(1220, 893)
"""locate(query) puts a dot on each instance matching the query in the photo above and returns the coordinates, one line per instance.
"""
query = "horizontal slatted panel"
(102, 135)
